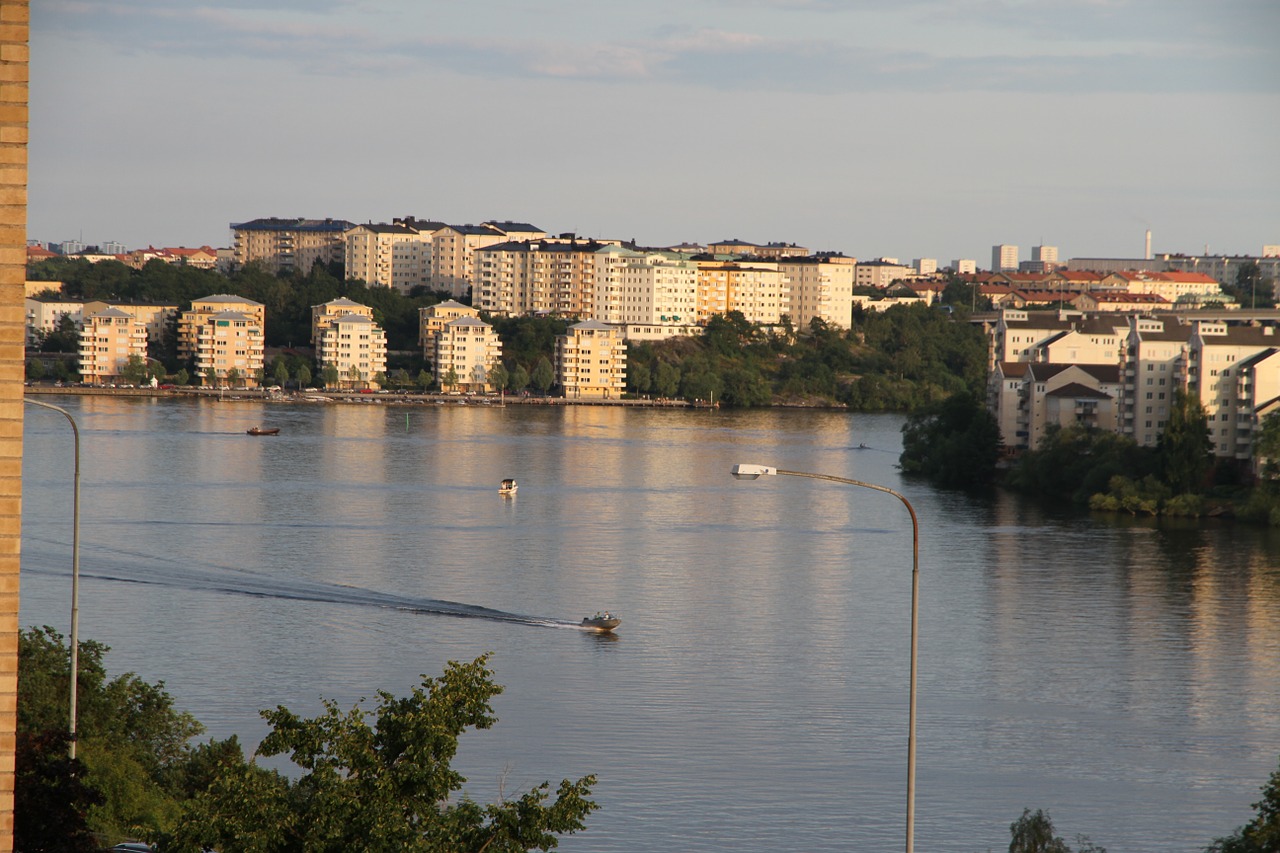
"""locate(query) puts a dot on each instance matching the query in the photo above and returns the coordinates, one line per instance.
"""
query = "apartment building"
(466, 350)
(1184, 289)
(289, 245)
(395, 255)
(44, 316)
(1027, 397)
(536, 277)
(189, 322)
(108, 339)
(610, 262)
(734, 247)
(1153, 363)
(228, 348)
(323, 316)
(1215, 349)
(657, 291)
(453, 250)
(432, 320)
(1004, 258)
(1257, 396)
(156, 316)
(356, 348)
(879, 273)
(591, 361)
(821, 288)
(760, 291)
(1102, 300)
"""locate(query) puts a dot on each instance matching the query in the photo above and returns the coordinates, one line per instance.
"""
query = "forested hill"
(897, 360)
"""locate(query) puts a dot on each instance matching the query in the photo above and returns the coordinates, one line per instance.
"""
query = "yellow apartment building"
(322, 316)
(591, 361)
(229, 349)
(396, 255)
(453, 250)
(289, 245)
(536, 277)
(466, 350)
(1215, 351)
(821, 288)
(609, 263)
(357, 348)
(107, 341)
(45, 315)
(190, 322)
(155, 316)
(757, 289)
(432, 320)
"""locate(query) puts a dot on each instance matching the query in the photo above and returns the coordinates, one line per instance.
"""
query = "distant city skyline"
(921, 128)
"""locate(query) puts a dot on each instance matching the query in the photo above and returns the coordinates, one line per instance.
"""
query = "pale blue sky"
(907, 128)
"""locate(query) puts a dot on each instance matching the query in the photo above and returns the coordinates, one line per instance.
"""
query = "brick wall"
(14, 21)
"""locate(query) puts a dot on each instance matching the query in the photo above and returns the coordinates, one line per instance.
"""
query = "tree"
(354, 376)
(1184, 449)
(330, 374)
(64, 338)
(1262, 834)
(1033, 833)
(519, 379)
(135, 370)
(543, 375)
(130, 742)
(956, 443)
(303, 376)
(181, 377)
(1266, 446)
(35, 370)
(498, 376)
(385, 786)
(666, 380)
(233, 377)
(281, 373)
(450, 379)
(424, 380)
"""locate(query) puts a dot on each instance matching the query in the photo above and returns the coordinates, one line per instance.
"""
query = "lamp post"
(754, 472)
(75, 568)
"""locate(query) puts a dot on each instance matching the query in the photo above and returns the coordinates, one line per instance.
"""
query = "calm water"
(1125, 678)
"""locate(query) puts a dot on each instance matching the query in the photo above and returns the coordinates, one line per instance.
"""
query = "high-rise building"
(1004, 258)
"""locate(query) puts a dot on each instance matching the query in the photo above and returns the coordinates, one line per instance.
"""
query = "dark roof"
(276, 224)
(1075, 389)
(507, 226)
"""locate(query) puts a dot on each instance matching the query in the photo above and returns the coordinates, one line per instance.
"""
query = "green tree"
(955, 443)
(543, 375)
(1262, 834)
(35, 370)
(135, 370)
(519, 379)
(181, 377)
(424, 380)
(666, 381)
(1184, 450)
(303, 376)
(1034, 833)
(385, 786)
(1266, 446)
(330, 374)
(130, 737)
(233, 377)
(450, 379)
(65, 336)
(498, 376)
(281, 372)
(354, 376)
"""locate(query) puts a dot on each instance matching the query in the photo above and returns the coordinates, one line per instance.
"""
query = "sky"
(877, 128)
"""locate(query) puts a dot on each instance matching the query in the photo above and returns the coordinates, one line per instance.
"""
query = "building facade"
(432, 320)
(108, 340)
(466, 350)
(591, 361)
(353, 349)
(820, 288)
(289, 245)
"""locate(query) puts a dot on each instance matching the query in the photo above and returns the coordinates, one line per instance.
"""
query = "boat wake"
(231, 581)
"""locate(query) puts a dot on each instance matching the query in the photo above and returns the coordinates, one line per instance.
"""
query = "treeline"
(895, 360)
(956, 444)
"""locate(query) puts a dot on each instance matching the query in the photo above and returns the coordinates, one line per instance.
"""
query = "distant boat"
(602, 622)
(508, 487)
(261, 431)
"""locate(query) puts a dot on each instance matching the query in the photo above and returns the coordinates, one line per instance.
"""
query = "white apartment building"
(1214, 352)
(154, 315)
(1257, 396)
(1153, 364)
(880, 273)
(659, 292)
(821, 288)
(924, 266)
(1026, 398)
(1004, 258)
(44, 316)
(107, 340)
(964, 266)
(610, 262)
(466, 350)
(357, 348)
(760, 291)
(591, 361)
(536, 277)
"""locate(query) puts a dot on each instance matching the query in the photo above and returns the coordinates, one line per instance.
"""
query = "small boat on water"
(261, 431)
(602, 622)
(508, 487)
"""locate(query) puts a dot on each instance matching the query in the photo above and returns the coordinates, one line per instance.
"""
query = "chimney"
(1147, 256)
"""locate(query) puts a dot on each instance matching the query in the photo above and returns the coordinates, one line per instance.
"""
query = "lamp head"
(752, 472)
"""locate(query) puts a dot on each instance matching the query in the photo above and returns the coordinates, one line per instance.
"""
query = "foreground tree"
(1034, 833)
(1262, 834)
(955, 443)
(388, 786)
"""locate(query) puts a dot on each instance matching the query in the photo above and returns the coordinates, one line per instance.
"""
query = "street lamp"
(75, 568)
(755, 472)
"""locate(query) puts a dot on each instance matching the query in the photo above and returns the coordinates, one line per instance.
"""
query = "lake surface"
(1123, 676)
